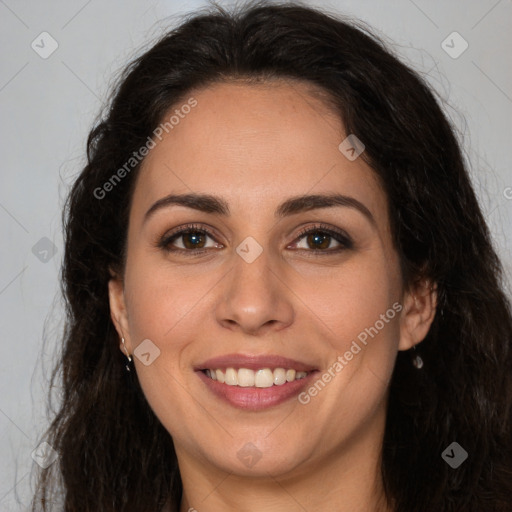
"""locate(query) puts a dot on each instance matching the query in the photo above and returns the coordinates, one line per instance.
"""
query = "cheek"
(357, 310)
(160, 308)
(164, 306)
(352, 297)
(158, 301)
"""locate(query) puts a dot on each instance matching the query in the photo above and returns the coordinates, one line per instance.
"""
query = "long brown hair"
(114, 453)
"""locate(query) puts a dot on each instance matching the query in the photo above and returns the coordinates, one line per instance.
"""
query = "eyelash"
(340, 236)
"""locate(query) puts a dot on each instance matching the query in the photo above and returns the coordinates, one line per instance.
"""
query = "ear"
(118, 311)
(418, 313)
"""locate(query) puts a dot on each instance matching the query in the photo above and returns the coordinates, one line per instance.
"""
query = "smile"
(254, 382)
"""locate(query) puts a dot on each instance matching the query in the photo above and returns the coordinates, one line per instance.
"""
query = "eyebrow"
(212, 204)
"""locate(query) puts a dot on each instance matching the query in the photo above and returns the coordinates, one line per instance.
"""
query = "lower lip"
(252, 398)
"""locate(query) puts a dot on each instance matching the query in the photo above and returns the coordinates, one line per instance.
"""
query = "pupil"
(194, 239)
(321, 241)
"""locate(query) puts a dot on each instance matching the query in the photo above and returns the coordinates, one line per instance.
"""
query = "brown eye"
(319, 240)
(323, 240)
(193, 240)
(188, 239)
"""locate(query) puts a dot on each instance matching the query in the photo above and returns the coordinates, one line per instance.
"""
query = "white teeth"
(231, 377)
(263, 378)
(245, 377)
(290, 375)
(279, 376)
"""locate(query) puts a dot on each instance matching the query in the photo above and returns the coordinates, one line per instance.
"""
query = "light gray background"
(48, 107)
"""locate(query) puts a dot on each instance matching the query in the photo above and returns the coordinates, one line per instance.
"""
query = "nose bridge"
(253, 297)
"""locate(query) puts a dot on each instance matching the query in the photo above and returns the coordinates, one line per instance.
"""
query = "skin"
(256, 146)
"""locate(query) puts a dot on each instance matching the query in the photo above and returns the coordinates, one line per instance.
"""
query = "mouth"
(254, 382)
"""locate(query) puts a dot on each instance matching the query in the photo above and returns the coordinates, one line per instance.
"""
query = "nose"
(254, 299)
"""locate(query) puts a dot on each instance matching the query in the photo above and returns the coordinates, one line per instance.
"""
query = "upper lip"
(254, 362)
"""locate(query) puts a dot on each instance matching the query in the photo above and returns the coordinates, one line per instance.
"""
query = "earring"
(417, 361)
(127, 355)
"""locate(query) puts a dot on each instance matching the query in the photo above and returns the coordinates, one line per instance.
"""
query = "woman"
(281, 290)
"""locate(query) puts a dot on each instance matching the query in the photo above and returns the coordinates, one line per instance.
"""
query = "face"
(298, 306)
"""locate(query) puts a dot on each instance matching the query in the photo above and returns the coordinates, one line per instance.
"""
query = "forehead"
(254, 144)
